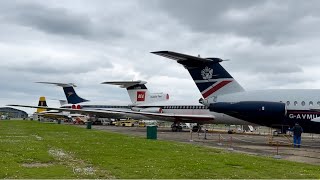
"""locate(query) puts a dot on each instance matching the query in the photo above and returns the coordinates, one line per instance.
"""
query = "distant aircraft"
(68, 88)
(53, 114)
(277, 108)
(137, 92)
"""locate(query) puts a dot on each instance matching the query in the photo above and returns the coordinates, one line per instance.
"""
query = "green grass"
(113, 155)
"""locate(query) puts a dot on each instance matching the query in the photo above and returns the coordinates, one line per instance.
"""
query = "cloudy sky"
(271, 44)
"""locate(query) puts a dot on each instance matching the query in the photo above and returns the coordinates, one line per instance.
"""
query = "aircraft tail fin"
(68, 88)
(42, 102)
(138, 91)
(209, 76)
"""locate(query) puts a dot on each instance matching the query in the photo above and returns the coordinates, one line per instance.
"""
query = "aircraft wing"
(201, 119)
(96, 112)
(53, 115)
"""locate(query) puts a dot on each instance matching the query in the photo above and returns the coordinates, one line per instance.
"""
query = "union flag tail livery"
(138, 91)
(209, 76)
(71, 95)
(42, 102)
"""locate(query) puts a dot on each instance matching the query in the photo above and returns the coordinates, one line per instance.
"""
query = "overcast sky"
(271, 44)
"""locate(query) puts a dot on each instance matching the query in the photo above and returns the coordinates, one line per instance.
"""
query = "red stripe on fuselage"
(216, 88)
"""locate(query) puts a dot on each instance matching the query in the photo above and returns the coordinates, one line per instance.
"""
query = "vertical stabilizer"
(209, 76)
(70, 93)
(42, 102)
(138, 91)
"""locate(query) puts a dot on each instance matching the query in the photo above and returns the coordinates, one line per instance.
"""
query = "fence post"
(219, 143)
(230, 144)
(277, 156)
(205, 133)
(191, 135)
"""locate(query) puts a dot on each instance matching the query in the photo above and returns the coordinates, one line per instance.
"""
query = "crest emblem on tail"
(207, 73)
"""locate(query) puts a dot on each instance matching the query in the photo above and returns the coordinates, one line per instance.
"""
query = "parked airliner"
(278, 108)
(137, 91)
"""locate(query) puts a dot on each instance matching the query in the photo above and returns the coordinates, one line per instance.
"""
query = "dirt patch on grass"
(38, 137)
(79, 166)
(36, 164)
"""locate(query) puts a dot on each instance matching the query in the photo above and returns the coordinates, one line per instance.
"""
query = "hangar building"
(7, 112)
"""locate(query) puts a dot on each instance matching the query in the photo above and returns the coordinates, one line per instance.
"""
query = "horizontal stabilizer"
(207, 73)
(184, 59)
(59, 84)
(125, 84)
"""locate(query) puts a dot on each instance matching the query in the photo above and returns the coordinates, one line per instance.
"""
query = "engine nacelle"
(258, 112)
(150, 110)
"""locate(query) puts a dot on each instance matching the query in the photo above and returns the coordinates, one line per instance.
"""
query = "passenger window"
(288, 103)
(303, 103)
(295, 103)
(310, 103)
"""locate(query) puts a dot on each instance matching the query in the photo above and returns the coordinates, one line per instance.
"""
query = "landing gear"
(196, 128)
(176, 127)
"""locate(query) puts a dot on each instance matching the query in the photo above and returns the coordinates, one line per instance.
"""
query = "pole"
(191, 135)
(230, 144)
(277, 156)
(219, 143)
(205, 133)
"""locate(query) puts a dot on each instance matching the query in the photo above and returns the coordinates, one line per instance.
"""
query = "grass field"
(40, 150)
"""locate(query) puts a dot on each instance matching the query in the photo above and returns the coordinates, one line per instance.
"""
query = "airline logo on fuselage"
(207, 73)
(141, 95)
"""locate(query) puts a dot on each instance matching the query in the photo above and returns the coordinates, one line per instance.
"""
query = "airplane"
(53, 114)
(276, 108)
(71, 95)
(176, 112)
(137, 91)
(142, 100)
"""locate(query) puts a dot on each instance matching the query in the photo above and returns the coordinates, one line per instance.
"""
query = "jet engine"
(258, 112)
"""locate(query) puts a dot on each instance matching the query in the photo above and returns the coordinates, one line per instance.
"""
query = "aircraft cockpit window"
(295, 103)
(288, 103)
(310, 103)
(303, 103)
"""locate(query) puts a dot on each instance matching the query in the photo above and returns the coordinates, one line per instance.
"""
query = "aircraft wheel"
(174, 128)
(196, 128)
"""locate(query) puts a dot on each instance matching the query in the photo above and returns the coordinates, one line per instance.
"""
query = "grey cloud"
(52, 20)
(43, 66)
(266, 21)
(60, 21)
